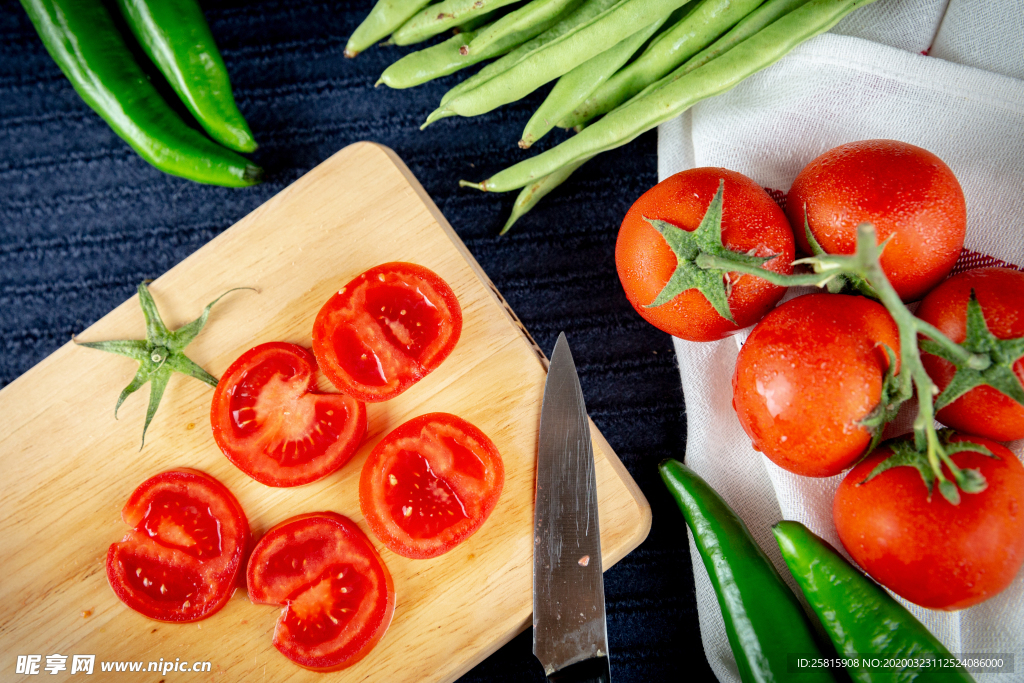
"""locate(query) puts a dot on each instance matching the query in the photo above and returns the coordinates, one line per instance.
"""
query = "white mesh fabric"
(831, 90)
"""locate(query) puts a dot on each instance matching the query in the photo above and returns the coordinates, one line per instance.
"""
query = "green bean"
(477, 22)
(450, 56)
(748, 26)
(574, 87)
(561, 24)
(383, 19)
(430, 63)
(440, 17)
(696, 31)
(537, 190)
(723, 73)
(530, 14)
(562, 55)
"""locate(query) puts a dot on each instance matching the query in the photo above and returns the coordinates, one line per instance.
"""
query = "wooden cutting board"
(68, 467)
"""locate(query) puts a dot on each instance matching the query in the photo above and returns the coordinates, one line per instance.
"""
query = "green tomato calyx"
(159, 355)
(702, 260)
(990, 363)
(909, 453)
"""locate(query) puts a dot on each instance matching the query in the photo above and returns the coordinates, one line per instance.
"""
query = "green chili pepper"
(81, 37)
(175, 35)
(763, 619)
(859, 616)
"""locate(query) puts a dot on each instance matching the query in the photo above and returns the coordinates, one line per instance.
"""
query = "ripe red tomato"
(385, 330)
(933, 553)
(751, 223)
(430, 484)
(338, 595)
(809, 372)
(181, 560)
(906, 192)
(983, 411)
(272, 426)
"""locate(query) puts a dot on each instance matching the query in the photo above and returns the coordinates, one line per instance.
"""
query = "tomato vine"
(972, 360)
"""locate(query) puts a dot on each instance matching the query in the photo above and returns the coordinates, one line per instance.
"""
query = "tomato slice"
(386, 330)
(430, 484)
(338, 595)
(272, 426)
(181, 559)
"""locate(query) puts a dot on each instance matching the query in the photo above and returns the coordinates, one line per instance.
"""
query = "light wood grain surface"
(68, 467)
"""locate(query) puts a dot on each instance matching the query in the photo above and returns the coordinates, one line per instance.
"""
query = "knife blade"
(570, 636)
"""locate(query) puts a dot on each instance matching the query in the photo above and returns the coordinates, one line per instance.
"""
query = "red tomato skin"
(932, 553)
(292, 406)
(479, 495)
(751, 220)
(807, 374)
(344, 320)
(983, 410)
(224, 570)
(326, 524)
(904, 191)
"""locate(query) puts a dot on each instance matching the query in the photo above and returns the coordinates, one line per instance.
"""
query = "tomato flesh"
(169, 586)
(1000, 291)
(272, 426)
(178, 521)
(406, 317)
(385, 330)
(338, 595)
(421, 503)
(430, 484)
(922, 547)
(181, 559)
(809, 372)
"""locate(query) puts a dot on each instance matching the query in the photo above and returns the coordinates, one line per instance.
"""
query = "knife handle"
(594, 670)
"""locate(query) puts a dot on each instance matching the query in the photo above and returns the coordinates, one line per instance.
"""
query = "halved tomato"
(385, 330)
(181, 559)
(338, 596)
(430, 484)
(270, 425)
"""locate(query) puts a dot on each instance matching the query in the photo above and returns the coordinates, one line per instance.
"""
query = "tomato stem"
(708, 261)
(913, 378)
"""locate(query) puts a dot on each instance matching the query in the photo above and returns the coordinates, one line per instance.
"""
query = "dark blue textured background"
(83, 220)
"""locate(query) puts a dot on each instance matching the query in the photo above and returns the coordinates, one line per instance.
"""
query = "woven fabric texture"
(832, 90)
(83, 220)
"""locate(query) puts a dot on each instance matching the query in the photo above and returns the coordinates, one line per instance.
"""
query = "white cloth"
(866, 79)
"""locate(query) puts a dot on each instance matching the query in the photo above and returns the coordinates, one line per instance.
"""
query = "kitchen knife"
(570, 637)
